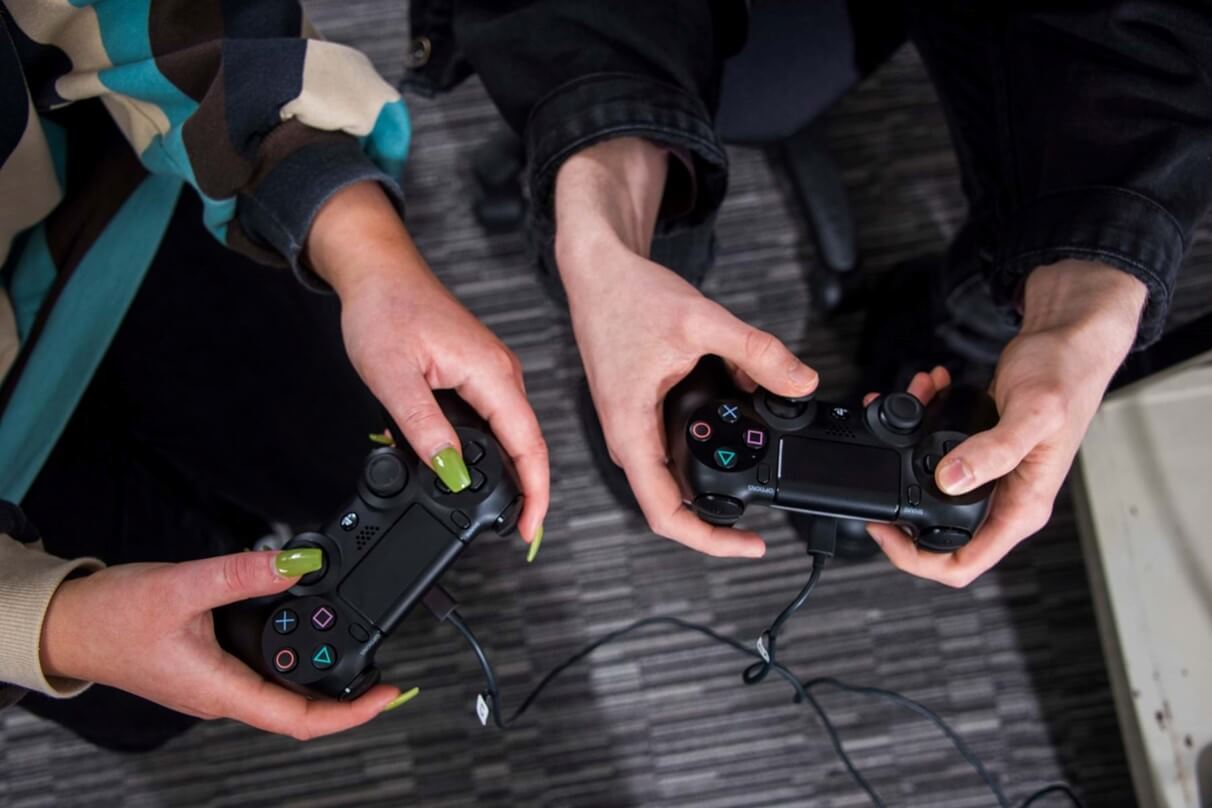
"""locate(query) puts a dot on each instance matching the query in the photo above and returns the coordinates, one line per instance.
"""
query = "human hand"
(1080, 320)
(641, 329)
(147, 629)
(407, 335)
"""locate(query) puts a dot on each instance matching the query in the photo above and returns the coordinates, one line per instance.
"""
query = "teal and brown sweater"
(240, 101)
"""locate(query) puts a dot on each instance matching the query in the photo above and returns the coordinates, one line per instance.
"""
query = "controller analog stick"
(386, 475)
(717, 509)
(943, 539)
(788, 408)
(311, 577)
(901, 412)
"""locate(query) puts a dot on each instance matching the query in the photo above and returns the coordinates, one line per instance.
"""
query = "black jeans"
(1083, 128)
(225, 403)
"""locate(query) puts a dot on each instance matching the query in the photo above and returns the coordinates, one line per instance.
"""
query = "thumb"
(763, 358)
(214, 582)
(425, 428)
(990, 455)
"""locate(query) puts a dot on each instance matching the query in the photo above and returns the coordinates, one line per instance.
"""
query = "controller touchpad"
(409, 552)
(843, 479)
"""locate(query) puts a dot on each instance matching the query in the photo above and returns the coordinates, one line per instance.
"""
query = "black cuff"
(16, 524)
(280, 210)
(1112, 226)
(604, 106)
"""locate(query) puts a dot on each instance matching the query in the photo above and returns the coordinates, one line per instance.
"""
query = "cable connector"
(439, 602)
(822, 537)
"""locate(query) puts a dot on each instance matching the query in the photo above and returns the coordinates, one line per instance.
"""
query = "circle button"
(285, 660)
(700, 430)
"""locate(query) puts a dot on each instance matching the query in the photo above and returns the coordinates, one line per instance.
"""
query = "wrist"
(58, 646)
(1093, 302)
(610, 194)
(358, 238)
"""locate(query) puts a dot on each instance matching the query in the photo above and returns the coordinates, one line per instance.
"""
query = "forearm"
(29, 580)
(1096, 305)
(610, 192)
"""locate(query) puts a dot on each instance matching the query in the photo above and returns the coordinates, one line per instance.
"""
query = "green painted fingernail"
(402, 699)
(451, 469)
(381, 437)
(299, 561)
(534, 545)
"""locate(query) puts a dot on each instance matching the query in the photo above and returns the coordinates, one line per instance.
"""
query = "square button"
(755, 438)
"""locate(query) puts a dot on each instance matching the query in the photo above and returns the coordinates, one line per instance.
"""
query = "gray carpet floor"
(1013, 662)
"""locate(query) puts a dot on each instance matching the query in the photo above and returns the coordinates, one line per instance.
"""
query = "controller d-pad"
(477, 480)
(472, 452)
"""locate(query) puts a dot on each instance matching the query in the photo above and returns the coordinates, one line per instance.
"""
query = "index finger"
(660, 498)
(501, 401)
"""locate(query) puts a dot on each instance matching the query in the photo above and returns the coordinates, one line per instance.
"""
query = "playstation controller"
(383, 552)
(874, 463)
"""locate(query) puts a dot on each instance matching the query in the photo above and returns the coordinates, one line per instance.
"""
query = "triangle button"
(725, 458)
(324, 657)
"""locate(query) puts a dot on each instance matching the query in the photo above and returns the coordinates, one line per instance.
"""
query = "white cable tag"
(482, 709)
(761, 648)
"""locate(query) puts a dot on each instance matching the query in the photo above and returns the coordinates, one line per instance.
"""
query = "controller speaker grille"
(839, 432)
(364, 536)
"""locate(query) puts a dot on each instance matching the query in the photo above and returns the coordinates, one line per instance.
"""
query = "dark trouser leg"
(225, 402)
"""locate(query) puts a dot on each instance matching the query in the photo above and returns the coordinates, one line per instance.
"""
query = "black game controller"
(383, 552)
(876, 463)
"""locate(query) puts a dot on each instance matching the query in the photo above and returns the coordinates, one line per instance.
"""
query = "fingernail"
(299, 561)
(451, 469)
(402, 699)
(382, 438)
(534, 544)
(802, 376)
(954, 477)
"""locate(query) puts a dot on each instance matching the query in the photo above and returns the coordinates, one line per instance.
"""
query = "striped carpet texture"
(1013, 662)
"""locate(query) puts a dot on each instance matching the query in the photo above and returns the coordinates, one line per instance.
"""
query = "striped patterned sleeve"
(236, 100)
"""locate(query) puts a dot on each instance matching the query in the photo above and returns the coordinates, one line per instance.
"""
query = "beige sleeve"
(28, 579)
